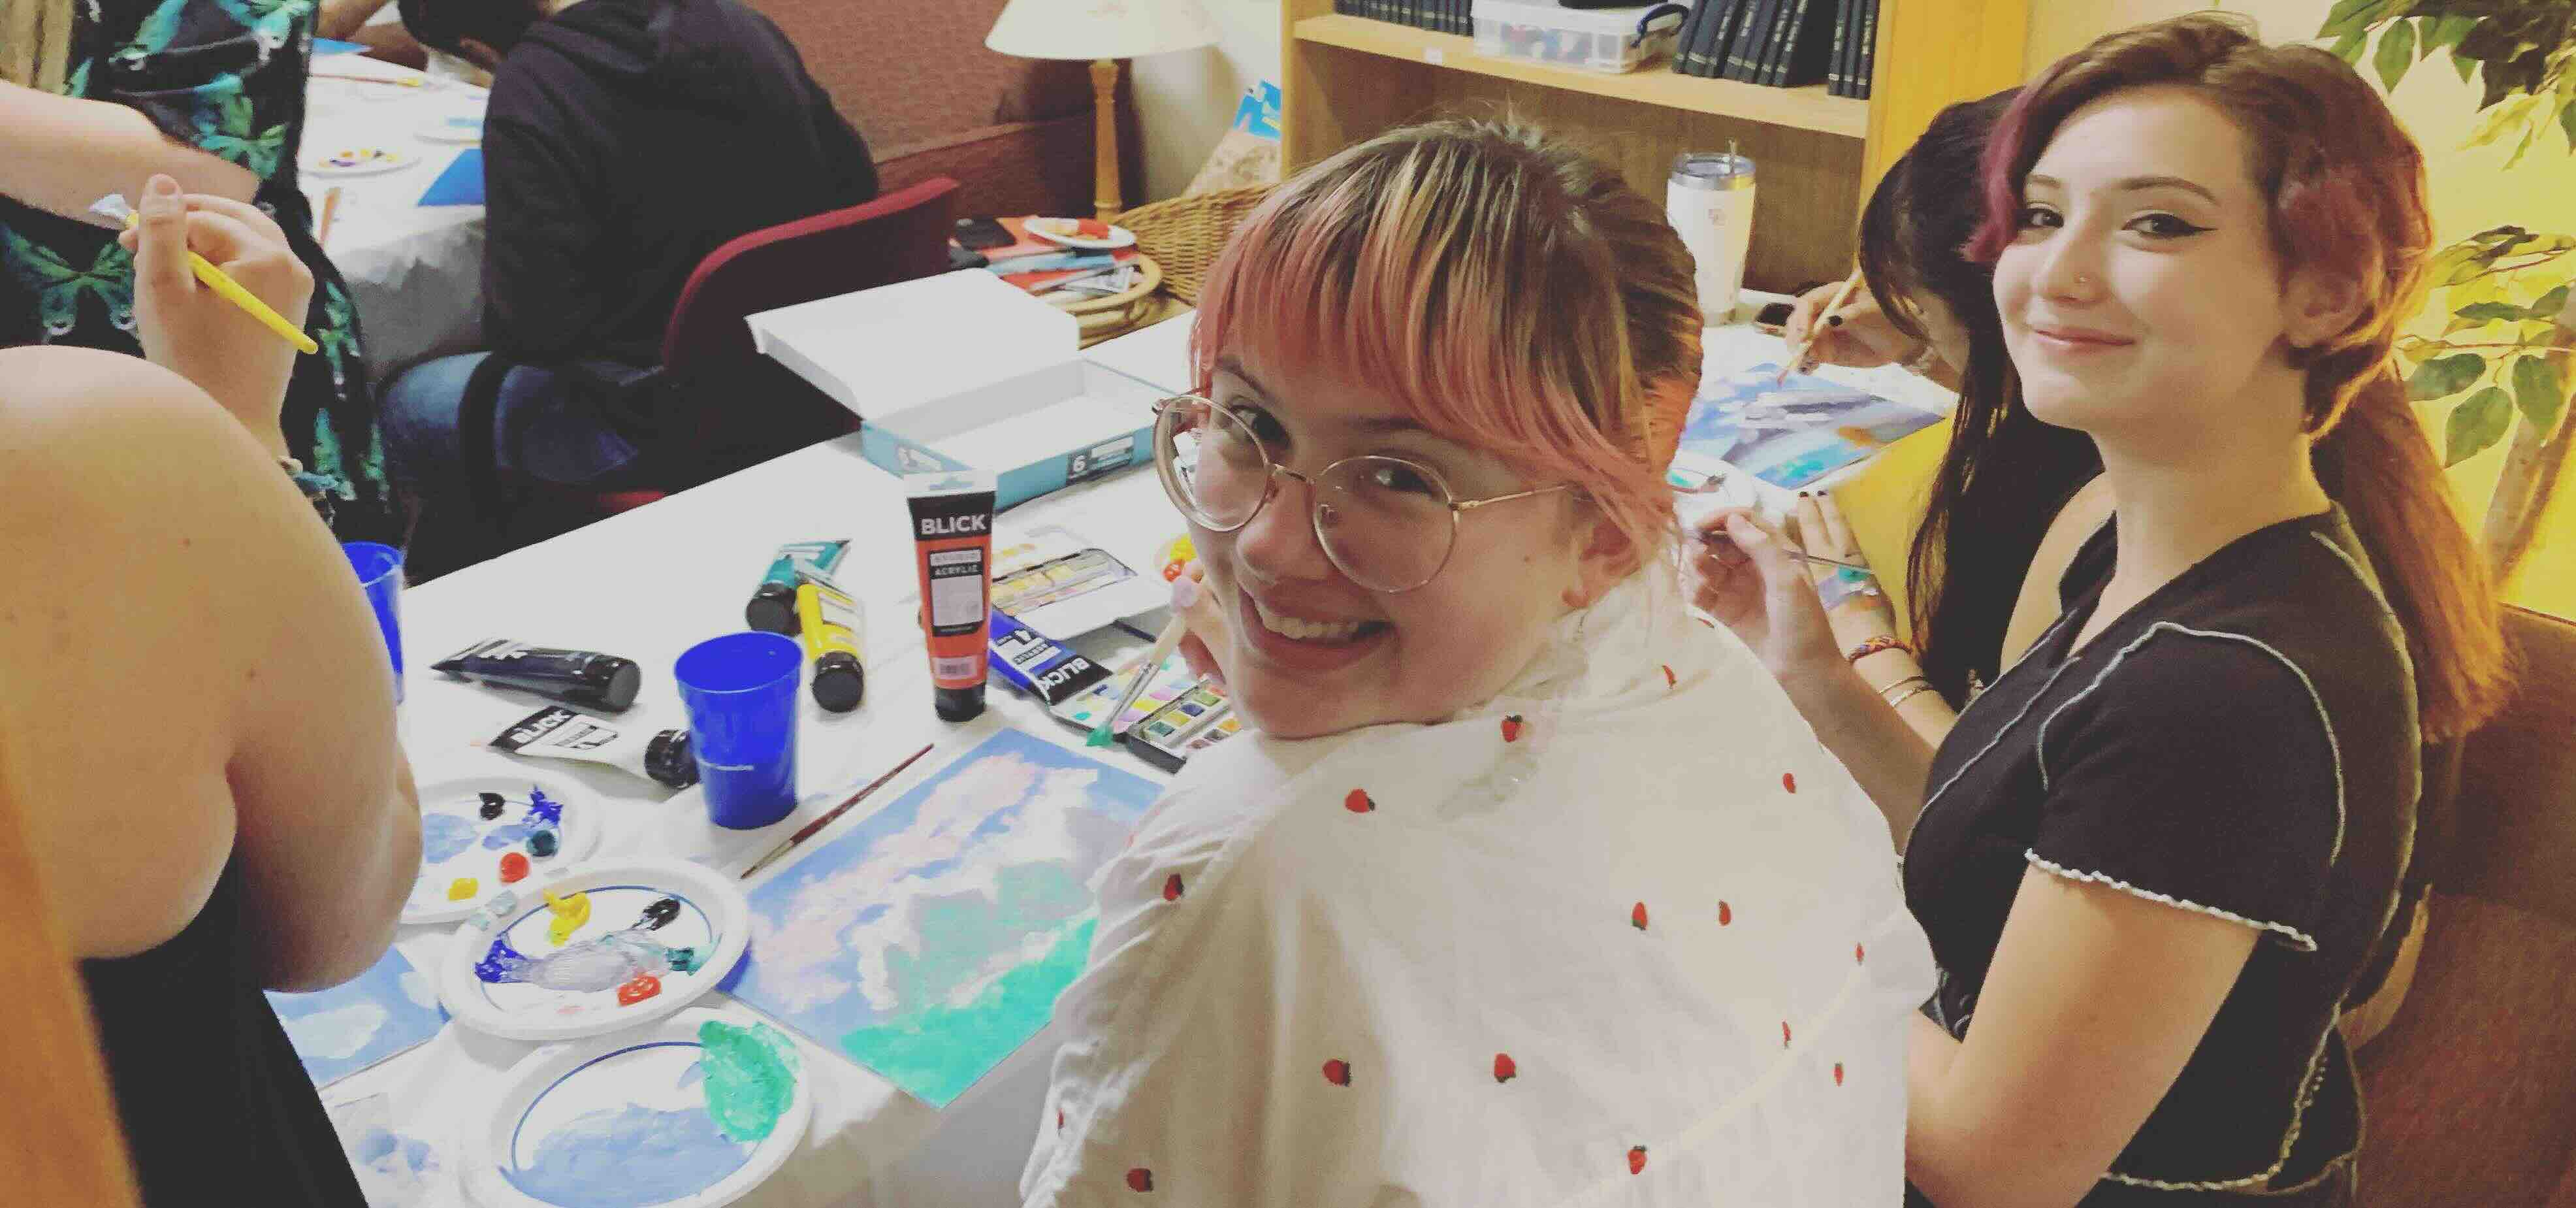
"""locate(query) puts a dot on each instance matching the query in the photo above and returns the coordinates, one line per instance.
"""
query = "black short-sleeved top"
(2242, 743)
(216, 1107)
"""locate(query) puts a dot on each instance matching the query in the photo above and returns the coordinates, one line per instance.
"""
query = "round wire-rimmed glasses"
(1389, 523)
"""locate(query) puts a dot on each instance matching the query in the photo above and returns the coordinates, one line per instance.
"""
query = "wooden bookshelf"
(1348, 78)
(1797, 108)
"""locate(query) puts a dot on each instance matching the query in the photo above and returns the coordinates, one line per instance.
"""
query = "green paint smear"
(751, 1077)
(939, 1051)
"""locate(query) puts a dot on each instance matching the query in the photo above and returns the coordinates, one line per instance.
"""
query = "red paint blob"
(643, 987)
(514, 868)
(1358, 802)
(1140, 1179)
(1337, 1072)
(1505, 1069)
(1637, 1159)
(1172, 888)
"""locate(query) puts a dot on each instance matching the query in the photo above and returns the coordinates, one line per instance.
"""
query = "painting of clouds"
(337, 1032)
(931, 939)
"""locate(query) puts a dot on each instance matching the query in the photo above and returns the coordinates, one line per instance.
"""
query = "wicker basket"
(1184, 234)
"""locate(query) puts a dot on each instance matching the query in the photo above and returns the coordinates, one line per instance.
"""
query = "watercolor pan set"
(1177, 715)
(1192, 722)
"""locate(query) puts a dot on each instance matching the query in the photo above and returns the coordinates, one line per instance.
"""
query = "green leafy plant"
(2503, 361)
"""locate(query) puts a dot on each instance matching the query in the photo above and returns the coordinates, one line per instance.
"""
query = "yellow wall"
(2471, 192)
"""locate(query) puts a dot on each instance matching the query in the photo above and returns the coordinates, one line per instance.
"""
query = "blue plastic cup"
(740, 690)
(379, 569)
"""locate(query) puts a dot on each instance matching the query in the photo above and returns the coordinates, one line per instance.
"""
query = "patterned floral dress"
(226, 77)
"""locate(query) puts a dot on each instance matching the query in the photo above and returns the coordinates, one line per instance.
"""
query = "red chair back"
(743, 407)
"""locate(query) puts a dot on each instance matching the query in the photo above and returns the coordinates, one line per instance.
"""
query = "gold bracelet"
(1910, 694)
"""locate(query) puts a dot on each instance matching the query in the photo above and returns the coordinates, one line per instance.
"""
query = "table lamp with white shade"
(1103, 31)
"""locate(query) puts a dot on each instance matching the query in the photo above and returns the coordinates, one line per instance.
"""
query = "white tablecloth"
(647, 585)
(416, 273)
(652, 582)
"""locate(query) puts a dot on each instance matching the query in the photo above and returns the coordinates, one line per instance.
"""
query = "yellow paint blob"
(462, 888)
(570, 914)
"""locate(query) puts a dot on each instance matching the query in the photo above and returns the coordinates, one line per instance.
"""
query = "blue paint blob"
(543, 808)
(499, 964)
(695, 1074)
(444, 836)
(506, 836)
(629, 1157)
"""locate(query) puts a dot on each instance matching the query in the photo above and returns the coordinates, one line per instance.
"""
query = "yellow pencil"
(231, 291)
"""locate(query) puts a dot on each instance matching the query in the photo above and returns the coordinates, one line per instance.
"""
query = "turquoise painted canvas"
(931, 939)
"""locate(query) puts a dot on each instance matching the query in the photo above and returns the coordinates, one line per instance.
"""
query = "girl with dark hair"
(2156, 855)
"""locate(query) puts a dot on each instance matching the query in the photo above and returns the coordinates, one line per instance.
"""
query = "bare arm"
(2095, 1000)
(339, 19)
(62, 154)
(199, 673)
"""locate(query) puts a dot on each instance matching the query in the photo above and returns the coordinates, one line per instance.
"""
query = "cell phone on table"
(1773, 318)
(978, 234)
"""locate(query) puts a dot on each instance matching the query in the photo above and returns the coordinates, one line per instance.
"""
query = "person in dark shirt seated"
(625, 140)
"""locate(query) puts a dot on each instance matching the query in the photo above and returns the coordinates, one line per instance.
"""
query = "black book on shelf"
(1868, 46)
(1743, 54)
(1851, 54)
(1689, 30)
(1811, 40)
(1834, 73)
(1719, 35)
(1775, 45)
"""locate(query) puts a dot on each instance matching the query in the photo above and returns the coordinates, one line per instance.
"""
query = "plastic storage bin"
(1608, 40)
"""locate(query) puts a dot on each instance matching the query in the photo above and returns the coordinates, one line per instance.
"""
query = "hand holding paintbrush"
(1803, 343)
(214, 279)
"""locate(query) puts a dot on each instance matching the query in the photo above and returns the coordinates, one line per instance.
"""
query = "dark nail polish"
(1833, 320)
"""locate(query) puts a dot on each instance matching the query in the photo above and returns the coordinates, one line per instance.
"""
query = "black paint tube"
(578, 677)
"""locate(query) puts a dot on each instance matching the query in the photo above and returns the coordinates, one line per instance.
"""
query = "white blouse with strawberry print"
(1626, 935)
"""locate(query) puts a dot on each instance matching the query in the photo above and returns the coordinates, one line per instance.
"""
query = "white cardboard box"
(966, 371)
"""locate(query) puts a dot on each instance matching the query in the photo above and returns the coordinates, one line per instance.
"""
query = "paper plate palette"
(599, 949)
(675, 1115)
(358, 161)
(471, 825)
(1063, 230)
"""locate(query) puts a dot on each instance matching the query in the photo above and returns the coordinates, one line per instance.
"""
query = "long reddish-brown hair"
(2345, 185)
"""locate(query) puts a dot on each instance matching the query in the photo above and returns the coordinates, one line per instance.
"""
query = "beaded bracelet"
(1884, 641)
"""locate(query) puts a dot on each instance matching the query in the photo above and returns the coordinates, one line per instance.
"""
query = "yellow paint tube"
(831, 625)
